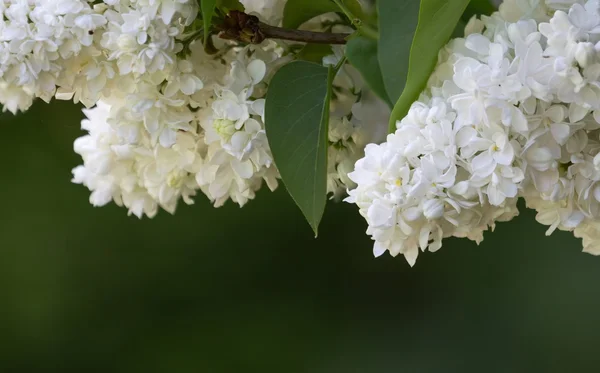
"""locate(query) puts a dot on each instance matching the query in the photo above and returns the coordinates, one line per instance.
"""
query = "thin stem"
(193, 35)
(339, 65)
(364, 29)
(248, 29)
(272, 32)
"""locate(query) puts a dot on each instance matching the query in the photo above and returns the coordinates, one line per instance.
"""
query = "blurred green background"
(249, 290)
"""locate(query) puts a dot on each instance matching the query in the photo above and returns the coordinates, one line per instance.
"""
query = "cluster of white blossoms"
(511, 111)
(199, 128)
(165, 119)
(86, 49)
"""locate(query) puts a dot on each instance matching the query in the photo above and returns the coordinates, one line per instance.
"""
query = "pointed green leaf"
(362, 54)
(397, 26)
(296, 12)
(296, 121)
(208, 11)
(437, 21)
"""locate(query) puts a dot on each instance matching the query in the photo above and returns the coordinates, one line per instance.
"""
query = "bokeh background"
(88, 289)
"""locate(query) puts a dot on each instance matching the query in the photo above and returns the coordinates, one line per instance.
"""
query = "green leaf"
(296, 121)
(397, 26)
(296, 12)
(437, 21)
(208, 11)
(362, 54)
(314, 52)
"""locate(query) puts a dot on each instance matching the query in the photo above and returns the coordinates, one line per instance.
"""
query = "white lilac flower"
(138, 176)
(109, 167)
(420, 186)
(86, 51)
(510, 111)
(150, 137)
(571, 39)
(238, 158)
(36, 38)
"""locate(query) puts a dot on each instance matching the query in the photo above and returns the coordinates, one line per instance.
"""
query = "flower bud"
(433, 209)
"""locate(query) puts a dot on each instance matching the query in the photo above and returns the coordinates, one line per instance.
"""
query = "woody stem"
(245, 28)
(272, 32)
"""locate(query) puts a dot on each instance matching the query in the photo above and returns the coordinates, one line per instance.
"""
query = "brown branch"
(272, 32)
(248, 29)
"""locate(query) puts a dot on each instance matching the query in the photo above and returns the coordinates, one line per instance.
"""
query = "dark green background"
(249, 290)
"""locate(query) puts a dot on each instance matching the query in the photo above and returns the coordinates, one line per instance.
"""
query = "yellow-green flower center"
(224, 127)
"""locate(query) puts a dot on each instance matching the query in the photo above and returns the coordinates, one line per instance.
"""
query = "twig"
(248, 29)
